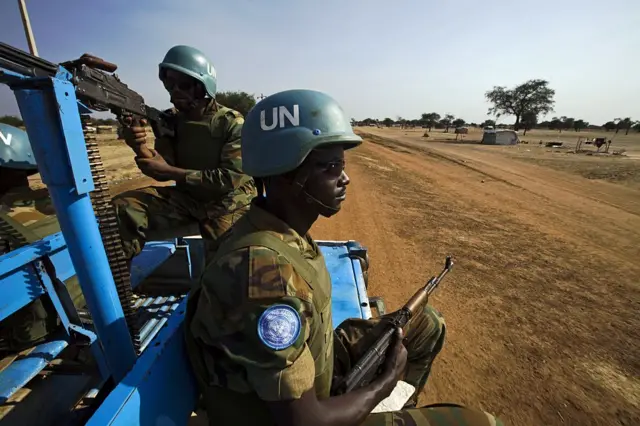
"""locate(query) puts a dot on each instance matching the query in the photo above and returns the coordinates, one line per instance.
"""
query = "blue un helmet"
(15, 149)
(282, 129)
(192, 62)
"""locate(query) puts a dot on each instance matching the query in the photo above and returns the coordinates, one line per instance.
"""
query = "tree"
(458, 122)
(580, 124)
(626, 124)
(637, 126)
(430, 119)
(240, 101)
(533, 96)
(567, 122)
(387, 122)
(529, 121)
(446, 122)
(619, 124)
(488, 123)
(609, 125)
(12, 120)
(556, 124)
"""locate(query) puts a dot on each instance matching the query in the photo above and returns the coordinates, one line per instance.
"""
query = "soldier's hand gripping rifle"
(369, 366)
(96, 86)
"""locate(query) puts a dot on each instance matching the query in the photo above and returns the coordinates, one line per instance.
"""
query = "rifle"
(96, 85)
(368, 367)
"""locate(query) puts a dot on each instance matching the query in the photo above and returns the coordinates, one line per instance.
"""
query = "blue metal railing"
(49, 109)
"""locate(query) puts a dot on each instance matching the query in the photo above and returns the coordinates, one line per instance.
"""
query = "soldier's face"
(328, 180)
(184, 90)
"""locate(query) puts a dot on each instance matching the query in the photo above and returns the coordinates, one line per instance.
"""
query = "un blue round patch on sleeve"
(279, 326)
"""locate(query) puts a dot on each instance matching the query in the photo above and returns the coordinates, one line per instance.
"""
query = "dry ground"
(119, 165)
(542, 305)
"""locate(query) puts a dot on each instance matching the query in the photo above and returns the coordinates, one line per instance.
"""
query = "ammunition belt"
(108, 225)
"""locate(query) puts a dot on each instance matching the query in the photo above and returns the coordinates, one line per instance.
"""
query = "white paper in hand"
(394, 402)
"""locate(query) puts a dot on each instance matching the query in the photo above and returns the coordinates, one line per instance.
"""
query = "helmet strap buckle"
(300, 180)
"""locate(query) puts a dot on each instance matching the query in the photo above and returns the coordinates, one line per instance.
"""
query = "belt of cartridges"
(108, 225)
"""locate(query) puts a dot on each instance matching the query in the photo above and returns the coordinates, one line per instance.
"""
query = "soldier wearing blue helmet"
(204, 159)
(25, 217)
(258, 326)
(17, 163)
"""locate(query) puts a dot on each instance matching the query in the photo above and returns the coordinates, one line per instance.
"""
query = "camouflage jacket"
(225, 326)
(210, 150)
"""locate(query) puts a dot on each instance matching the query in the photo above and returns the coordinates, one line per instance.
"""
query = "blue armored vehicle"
(111, 349)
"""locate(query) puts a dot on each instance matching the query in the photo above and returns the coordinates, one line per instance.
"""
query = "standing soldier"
(204, 159)
(258, 325)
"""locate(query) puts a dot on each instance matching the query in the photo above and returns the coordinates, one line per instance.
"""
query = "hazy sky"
(376, 60)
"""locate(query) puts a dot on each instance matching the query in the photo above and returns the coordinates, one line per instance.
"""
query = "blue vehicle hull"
(91, 372)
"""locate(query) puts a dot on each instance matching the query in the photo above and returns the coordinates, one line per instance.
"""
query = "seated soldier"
(25, 217)
(258, 326)
(203, 158)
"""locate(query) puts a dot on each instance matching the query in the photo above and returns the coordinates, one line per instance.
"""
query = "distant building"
(500, 137)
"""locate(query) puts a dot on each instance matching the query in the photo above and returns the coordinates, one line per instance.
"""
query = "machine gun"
(368, 367)
(97, 86)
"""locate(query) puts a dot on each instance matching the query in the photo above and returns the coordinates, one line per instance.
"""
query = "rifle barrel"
(23, 62)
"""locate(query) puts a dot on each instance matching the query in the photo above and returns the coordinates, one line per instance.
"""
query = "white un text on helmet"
(278, 115)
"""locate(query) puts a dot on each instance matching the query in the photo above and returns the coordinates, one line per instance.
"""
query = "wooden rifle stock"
(368, 367)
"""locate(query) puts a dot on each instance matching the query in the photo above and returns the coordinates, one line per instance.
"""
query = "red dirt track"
(542, 304)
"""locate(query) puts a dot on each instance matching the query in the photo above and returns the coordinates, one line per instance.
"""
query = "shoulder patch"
(279, 326)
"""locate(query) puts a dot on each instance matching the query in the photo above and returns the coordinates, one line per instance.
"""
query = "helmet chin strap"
(298, 189)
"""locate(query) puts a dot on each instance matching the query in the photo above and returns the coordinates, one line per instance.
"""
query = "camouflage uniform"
(216, 192)
(262, 262)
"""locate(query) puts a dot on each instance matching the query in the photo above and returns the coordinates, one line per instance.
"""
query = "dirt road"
(542, 304)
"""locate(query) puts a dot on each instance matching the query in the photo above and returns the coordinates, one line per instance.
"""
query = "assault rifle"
(96, 85)
(368, 367)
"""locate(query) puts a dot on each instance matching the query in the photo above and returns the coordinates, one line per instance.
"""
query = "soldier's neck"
(300, 220)
(197, 112)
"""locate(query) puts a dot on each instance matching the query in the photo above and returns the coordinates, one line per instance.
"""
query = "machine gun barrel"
(368, 367)
(95, 87)
(24, 63)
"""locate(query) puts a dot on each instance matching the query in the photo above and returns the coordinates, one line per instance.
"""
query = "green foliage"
(488, 123)
(579, 125)
(12, 120)
(567, 122)
(388, 122)
(624, 124)
(239, 101)
(430, 119)
(446, 122)
(556, 124)
(458, 122)
(609, 125)
(532, 96)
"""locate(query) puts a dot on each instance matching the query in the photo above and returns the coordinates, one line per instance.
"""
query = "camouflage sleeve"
(164, 146)
(238, 291)
(229, 173)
